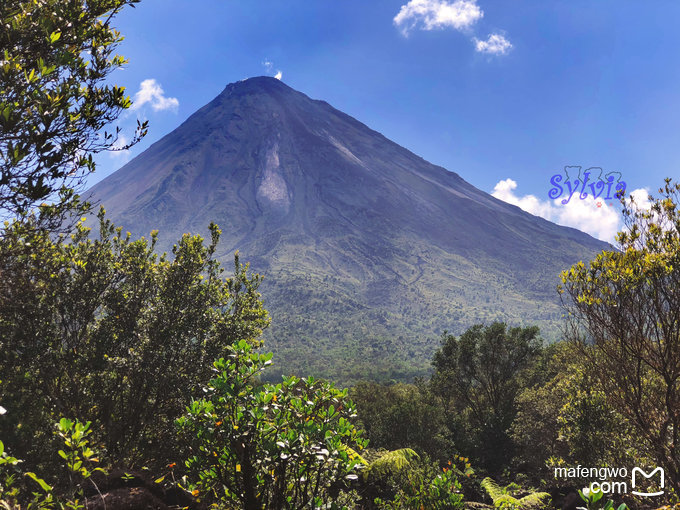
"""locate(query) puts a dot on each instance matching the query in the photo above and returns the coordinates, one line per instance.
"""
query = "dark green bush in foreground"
(287, 445)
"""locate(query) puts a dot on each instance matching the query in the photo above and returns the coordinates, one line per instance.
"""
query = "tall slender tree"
(624, 312)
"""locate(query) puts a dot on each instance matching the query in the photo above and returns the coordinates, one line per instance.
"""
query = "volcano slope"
(369, 252)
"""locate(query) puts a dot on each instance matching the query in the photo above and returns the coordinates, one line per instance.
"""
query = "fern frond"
(534, 500)
(492, 489)
(391, 463)
(502, 500)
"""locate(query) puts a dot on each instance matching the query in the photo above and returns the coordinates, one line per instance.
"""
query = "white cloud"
(504, 191)
(496, 44)
(150, 91)
(640, 199)
(594, 216)
(602, 222)
(432, 14)
(269, 67)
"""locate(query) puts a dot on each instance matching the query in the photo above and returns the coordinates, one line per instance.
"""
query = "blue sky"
(493, 90)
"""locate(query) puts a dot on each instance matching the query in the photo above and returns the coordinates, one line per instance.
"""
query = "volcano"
(369, 252)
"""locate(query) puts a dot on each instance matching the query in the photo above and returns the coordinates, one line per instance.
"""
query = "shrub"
(80, 463)
(287, 445)
(426, 486)
(105, 330)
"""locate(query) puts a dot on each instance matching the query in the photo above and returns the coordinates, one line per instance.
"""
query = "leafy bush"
(105, 330)
(592, 500)
(287, 445)
(478, 377)
(403, 415)
(567, 420)
(425, 486)
(80, 464)
(622, 311)
(56, 98)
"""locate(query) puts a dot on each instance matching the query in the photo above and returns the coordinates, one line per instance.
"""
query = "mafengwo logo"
(637, 470)
(612, 480)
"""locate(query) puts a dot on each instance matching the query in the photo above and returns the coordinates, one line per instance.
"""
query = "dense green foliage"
(503, 499)
(593, 501)
(54, 98)
(403, 415)
(289, 445)
(79, 462)
(478, 376)
(107, 331)
(564, 420)
(347, 332)
(435, 489)
(402, 479)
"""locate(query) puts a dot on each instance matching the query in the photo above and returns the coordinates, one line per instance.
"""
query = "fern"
(391, 463)
(504, 501)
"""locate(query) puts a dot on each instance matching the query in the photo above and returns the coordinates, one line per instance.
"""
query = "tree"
(565, 420)
(402, 416)
(104, 330)
(289, 445)
(626, 305)
(55, 59)
(478, 377)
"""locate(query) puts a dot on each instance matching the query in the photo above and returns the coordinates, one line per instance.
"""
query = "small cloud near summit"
(269, 67)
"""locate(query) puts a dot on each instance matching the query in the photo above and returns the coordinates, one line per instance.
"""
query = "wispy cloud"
(150, 91)
(495, 44)
(594, 216)
(434, 14)
(269, 67)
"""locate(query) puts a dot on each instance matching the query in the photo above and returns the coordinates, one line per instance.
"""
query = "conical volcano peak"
(353, 232)
(260, 100)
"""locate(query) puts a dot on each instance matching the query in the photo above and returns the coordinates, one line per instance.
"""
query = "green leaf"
(45, 487)
(596, 495)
